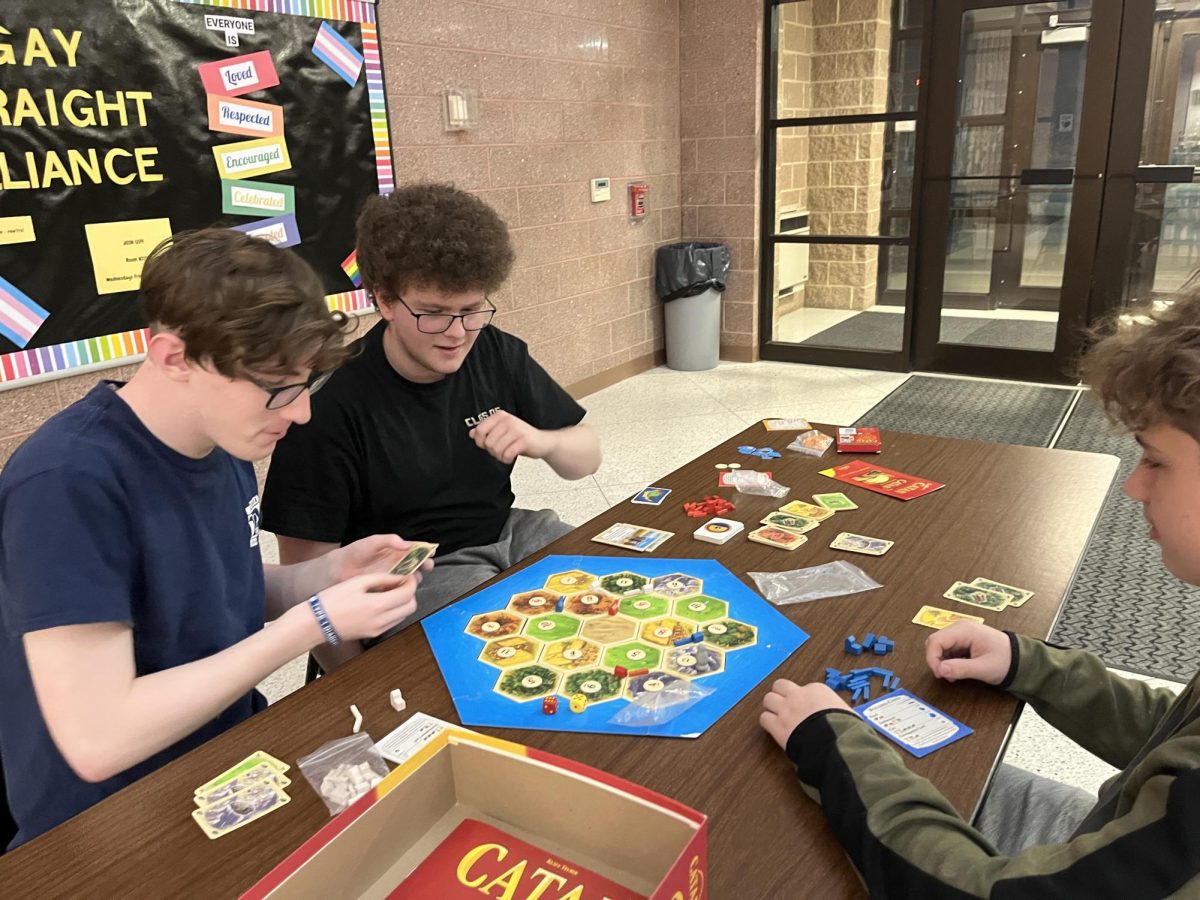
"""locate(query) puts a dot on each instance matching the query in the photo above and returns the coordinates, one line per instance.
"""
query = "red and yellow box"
(568, 822)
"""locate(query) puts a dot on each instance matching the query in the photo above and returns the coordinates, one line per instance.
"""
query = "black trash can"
(689, 278)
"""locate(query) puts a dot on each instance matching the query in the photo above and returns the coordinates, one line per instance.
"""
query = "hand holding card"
(411, 561)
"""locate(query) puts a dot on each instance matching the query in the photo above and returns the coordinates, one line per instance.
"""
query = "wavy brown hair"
(1149, 374)
(240, 304)
(432, 235)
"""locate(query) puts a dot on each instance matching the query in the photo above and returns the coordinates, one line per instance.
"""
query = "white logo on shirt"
(472, 421)
(253, 516)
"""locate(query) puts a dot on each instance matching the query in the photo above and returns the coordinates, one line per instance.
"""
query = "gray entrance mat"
(874, 330)
(1124, 606)
(995, 411)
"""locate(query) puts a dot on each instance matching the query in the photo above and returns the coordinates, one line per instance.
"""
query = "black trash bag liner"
(688, 269)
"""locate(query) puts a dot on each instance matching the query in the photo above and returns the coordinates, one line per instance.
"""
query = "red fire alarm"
(638, 192)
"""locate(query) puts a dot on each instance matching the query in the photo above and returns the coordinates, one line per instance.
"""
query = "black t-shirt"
(385, 455)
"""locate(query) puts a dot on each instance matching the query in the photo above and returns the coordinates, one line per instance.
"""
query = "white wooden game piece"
(357, 718)
(397, 700)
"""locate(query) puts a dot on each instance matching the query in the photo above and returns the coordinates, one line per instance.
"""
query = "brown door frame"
(1087, 201)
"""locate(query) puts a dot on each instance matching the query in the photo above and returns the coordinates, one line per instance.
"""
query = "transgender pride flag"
(20, 317)
(338, 53)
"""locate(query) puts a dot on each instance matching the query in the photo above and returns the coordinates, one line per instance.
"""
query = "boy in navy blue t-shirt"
(132, 593)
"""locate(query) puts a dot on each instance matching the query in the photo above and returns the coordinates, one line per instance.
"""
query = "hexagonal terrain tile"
(595, 684)
(701, 609)
(675, 585)
(652, 683)
(527, 683)
(729, 634)
(645, 606)
(632, 656)
(495, 624)
(608, 629)
(553, 627)
(666, 631)
(589, 603)
(533, 603)
(572, 654)
(570, 582)
(509, 651)
(623, 583)
(694, 661)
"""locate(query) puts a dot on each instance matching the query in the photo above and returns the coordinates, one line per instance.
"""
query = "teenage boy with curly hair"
(132, 591)
(419, 431)
(1036, 837)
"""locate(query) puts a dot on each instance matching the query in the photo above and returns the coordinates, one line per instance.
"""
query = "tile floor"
(701, 410)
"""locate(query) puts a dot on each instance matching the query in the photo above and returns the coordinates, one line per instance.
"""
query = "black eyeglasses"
(279, 397)
(437, 323)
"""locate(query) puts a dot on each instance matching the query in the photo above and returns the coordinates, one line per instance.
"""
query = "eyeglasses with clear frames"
(439, 323)
(285, 394)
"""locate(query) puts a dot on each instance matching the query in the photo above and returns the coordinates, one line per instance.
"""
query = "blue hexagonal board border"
(473, 682)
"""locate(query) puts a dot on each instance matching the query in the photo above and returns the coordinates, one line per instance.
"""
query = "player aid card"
(1016, 596)
(912, 723)
(411, 561)
(798, 524)
(777, 537)
(937, 619)
(632, 537)
(976, 596)
(717, 531)
(650, 496)
(835, 501)
(860, 543)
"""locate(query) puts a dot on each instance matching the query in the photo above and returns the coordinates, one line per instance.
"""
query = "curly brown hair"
(432, 235)
(1149, 374)
(240, 304)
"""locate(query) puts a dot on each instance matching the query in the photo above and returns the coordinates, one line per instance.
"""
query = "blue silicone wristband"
(318, 610)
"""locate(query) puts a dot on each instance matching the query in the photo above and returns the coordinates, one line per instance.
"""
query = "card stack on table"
(238, 796)
(718, 530)
(632, 537)
(988, 594)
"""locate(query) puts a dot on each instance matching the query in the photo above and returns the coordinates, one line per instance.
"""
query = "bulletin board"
(123, 121)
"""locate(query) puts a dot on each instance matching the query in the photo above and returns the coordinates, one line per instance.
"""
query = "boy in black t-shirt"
(417, 434)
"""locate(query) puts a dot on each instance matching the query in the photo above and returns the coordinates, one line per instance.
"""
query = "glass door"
(1019, 110)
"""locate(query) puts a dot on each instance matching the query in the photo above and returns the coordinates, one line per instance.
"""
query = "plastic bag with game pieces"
(343, 770)
(658, 707)
(758, 483)
(835, 579)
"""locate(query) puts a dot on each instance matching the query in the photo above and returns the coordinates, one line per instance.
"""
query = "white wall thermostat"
(601, 190)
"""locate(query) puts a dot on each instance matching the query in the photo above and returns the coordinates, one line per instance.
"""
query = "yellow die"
(578, 703)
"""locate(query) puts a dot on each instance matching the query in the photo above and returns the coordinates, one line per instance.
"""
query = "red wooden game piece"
(638, 672)
(612, 608)
(620, 671)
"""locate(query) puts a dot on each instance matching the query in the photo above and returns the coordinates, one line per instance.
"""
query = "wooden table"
(1014, 514)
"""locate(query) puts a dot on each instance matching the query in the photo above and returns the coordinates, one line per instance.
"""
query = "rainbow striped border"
(375, 100)
(341, 10)
(129, 346)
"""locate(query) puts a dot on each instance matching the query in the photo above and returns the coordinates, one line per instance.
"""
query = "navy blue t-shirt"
(102, 522)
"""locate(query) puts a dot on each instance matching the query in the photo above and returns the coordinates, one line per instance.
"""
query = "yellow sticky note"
(119, 249)
(248, 159)
(16, 230)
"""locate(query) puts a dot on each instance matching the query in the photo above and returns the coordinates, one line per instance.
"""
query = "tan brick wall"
(568, 92)
(720, 61)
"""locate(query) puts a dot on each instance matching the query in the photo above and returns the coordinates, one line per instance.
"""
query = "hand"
(969, 650)
(788, 704)
(369, 555)
(366, 606)
(506, 437)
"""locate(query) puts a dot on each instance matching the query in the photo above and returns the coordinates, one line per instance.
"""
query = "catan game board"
(506, 648)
